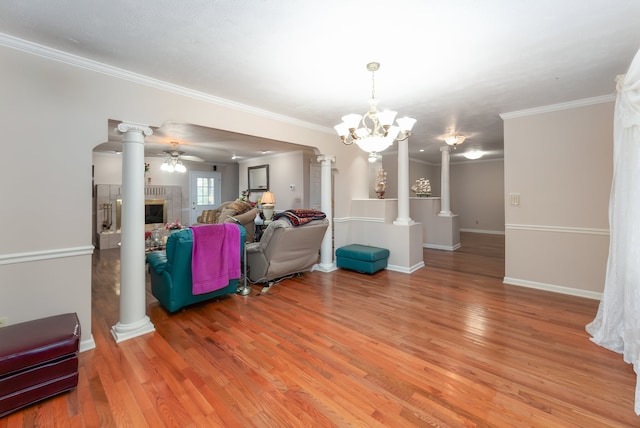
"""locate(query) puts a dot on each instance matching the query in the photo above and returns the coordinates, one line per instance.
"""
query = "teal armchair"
(170, 271)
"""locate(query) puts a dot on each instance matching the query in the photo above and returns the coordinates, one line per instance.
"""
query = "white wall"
(477, 195)
(560, 163)
(417, 169)
(58, 113)
(285, 169)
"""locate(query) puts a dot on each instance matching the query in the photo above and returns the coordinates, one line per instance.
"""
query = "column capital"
(445, 148)
(326, 158)
(124, 127)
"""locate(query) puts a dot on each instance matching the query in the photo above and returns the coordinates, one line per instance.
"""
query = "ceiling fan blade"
(192, 158)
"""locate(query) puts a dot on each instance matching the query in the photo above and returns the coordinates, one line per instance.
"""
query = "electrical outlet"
(4, 321)
(515, 198)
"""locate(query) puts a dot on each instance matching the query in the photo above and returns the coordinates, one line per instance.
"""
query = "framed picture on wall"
(258, 178)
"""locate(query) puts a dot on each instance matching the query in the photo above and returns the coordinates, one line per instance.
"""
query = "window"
(205, 188)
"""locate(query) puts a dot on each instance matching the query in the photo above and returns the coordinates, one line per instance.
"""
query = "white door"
(315, 186)
(204, 192)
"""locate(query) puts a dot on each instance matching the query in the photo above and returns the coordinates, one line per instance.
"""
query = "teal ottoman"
(362, 258)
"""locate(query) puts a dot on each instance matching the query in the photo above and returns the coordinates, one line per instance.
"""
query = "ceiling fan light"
(180, 167)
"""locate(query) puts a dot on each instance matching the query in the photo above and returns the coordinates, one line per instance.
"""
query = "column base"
(403, 222)
(324, 267)
(446, 214)
(122, 332)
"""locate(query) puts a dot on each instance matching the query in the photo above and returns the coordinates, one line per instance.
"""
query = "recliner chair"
(170, 272)
(285, 250)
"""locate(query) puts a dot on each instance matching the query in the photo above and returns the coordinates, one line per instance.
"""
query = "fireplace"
(159, 200)
(155, 212)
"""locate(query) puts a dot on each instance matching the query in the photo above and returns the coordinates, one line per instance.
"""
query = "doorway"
(204, 193)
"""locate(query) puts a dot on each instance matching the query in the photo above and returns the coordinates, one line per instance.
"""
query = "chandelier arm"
(406, 135)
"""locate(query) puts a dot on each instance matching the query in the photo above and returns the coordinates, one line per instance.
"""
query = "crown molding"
(119, 73)
(469, 161)
(561, 106)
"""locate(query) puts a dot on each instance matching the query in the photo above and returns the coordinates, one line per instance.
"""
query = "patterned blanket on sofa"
(300, 216)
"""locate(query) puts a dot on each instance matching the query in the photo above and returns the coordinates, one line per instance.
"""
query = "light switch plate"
(515, 198)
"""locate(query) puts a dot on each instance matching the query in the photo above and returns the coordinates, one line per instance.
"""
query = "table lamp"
(268, 202)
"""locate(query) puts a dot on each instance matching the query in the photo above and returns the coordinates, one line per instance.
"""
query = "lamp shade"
(342, 129)
(386, 117)
(352, 120)
(268, 198)
(406, 123)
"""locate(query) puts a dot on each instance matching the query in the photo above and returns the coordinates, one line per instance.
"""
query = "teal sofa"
(170, 272)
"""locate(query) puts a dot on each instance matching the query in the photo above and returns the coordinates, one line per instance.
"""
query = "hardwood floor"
(448, 346)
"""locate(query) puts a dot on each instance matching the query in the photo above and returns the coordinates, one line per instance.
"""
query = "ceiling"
(454, 65)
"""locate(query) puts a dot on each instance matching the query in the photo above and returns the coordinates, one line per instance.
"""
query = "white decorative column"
(403, 184)
(445, 207)
(133, 319)
(326, 250)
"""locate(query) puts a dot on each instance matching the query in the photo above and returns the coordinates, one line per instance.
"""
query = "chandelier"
(374, 131)
(454, 140)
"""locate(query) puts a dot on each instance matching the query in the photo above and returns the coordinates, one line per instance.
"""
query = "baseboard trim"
(488, 232)
(403, 269)
(553, 288)
(442, 247)
(34, 256)
(324, 268)
(87, 345)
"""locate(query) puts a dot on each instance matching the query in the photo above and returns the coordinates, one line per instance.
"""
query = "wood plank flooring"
(448, 346)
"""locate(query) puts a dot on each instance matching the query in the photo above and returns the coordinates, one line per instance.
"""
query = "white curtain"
(617, 323)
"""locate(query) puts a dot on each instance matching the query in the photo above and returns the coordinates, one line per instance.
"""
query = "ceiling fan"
(175, 158)
(178, 154)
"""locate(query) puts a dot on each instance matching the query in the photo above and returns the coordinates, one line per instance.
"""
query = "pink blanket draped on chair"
(215, 256)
